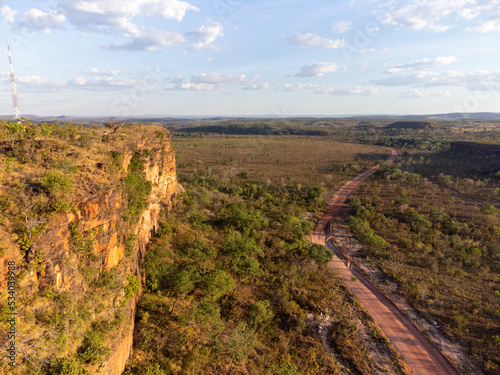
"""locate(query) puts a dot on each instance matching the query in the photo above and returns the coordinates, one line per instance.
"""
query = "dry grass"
(292, 158)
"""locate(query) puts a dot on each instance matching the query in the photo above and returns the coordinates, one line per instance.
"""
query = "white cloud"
(205, 36)
(35, 20)
(211, 81)
(342, 27)
(102, 84)
(37, 84)
(8, 14)
(316, 41)
(423, 64)
(256, 86)
(487, 26)
(317, 69)
(105, 72)
(415, 93)
(366, 51)
(194, 86)
(299, 86)
(210, 59)
(356, 90)
(430, 15)
(478, 80)
(151, 40)
(216, 78)
(328, 90)
(118, 14)
(116, 17)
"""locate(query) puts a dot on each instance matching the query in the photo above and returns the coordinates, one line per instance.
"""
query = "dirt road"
(417, 350)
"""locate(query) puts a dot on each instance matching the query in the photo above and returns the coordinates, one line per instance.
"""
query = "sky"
(251, 57)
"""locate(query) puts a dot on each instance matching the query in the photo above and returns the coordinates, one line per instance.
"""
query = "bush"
(130, 244)
(63, 206)
(136, 188)
(92, 350)
(320, 254)
(131, 289)
(55, 183)
(260, 313)
(67, 366)
(116, 161)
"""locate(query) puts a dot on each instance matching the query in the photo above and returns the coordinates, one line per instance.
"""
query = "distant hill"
(412, 125)
(183, 121)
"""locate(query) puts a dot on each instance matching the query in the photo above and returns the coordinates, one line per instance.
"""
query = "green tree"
(372, 241)
(240, 344)
(180, 283)
(218, 283)
(437, 214)
(235, 244)
(319, 253)
(260, 313)
(14, 130)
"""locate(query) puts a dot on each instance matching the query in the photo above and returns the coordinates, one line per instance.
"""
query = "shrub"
(136, 188)
(131, 289)
(489, 210)
(9, 167)
(130, 244)
(320, 254)
(55, 183)
(116, 161)
(260, 313)
(92, 350)
(67, 366)
(63, 206)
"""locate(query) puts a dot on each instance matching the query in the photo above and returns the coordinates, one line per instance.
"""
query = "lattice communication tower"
(15, 101)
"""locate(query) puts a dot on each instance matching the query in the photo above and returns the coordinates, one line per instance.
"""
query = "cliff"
(77, 235)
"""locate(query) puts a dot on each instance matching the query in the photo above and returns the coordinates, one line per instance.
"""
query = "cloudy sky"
(251, 57)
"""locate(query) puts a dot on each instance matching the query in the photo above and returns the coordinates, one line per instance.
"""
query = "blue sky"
(251, 57)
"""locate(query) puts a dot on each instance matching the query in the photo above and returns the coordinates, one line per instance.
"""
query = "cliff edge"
(77, 207)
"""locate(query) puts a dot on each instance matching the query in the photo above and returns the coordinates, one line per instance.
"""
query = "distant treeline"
(253, 130)
(476, 148)
(412, 125)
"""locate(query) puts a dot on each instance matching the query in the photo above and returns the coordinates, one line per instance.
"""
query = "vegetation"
(232, 278)
(434, 230)
(230, 282)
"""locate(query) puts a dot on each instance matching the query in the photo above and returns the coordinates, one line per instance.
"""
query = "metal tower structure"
(15, 101)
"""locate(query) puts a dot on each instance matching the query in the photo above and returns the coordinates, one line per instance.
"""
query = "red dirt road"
(417, 350)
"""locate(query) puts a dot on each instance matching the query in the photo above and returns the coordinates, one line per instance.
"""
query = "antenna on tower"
(15, 101)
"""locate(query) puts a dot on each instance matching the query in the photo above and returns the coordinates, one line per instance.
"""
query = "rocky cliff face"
(98, 237)
(100, 216)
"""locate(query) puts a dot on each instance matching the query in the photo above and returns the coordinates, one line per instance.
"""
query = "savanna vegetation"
(233, 286)
(431, 223)
(230, 283)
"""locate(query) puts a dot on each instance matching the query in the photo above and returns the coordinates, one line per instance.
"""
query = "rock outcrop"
(98, 228)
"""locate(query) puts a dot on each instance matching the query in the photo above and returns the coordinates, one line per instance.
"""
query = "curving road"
(418, 352)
